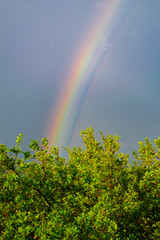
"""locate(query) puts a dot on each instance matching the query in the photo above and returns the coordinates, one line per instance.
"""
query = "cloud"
(103, 46)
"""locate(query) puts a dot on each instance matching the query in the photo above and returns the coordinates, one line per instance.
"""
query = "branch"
(37, 190)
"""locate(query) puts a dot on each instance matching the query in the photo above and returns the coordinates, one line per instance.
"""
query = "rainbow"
(82, 68)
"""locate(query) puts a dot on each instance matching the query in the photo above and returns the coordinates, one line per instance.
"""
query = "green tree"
(97, 194)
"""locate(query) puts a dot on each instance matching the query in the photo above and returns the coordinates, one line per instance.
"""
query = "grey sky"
(38, 39)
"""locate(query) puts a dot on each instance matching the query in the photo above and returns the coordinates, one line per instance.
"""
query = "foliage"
(97, 194)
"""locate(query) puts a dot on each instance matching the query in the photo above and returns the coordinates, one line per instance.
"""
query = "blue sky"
(38, 39)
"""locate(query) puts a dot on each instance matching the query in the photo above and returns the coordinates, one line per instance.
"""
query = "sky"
(66, 65)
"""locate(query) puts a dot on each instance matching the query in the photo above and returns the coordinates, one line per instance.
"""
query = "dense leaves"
(97, 194)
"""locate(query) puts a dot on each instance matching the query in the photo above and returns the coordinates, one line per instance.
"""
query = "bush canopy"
(96, 194)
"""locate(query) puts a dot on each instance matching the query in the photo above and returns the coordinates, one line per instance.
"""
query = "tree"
(97, 194)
